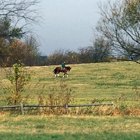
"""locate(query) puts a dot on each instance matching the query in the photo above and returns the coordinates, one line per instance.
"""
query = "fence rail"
(22, 106)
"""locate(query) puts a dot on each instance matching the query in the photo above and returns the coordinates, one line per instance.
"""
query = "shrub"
(18, 77)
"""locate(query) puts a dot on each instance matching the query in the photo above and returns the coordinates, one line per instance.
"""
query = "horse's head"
(68, 68)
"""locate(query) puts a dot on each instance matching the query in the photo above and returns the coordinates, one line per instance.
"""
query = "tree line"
(117, 32)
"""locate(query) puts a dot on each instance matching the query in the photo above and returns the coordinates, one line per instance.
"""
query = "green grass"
(88, 81)
(109, 81)
(69, 127)
(66, 136)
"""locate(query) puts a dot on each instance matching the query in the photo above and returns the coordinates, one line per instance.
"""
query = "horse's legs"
(65, 74)
(56, 74)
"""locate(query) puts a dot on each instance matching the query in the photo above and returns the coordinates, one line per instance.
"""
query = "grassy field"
(118, 82)
(69, 128)
(106, 81)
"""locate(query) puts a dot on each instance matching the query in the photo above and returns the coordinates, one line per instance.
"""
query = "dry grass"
(117, 82)
(68, 124)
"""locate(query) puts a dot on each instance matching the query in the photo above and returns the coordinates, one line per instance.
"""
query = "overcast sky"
(68, 24)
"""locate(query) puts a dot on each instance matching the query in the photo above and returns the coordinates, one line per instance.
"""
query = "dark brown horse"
(57, 70)
(68, 68)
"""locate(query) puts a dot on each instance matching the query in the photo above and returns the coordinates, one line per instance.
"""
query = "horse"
(57, 70)
(68, 68)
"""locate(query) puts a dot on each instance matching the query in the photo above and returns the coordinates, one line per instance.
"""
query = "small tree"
(18, 78)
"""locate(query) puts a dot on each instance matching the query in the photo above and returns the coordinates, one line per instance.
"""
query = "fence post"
(67, 109)
(22, 109)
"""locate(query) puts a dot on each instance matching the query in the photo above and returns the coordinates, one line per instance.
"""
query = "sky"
(67, 24)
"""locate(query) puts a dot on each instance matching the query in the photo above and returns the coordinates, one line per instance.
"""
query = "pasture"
(102, 82)
(69, 128)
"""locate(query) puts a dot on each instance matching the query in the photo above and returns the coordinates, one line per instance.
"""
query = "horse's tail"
(54, 71)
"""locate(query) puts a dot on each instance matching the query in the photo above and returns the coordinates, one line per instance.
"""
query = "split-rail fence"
(67, 106)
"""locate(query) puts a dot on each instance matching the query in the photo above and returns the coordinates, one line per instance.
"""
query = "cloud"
(67, 24)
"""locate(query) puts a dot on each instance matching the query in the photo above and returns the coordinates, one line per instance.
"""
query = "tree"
(25, 52)
(132, 11)
(8, 32)
(20, 14)
(60, 56)
(57, 57)
(85, 54)
(16, 52)
(101, 50)
(19, 77)
(72, 57)
(119, 24)
(16, 18)
(32, 54)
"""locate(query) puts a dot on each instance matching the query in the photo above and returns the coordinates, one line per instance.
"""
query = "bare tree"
(16, 18)
(100, 50)
(57, 57)
(61, 55)
(20, 13)
(72, 57)
(85, 54)
(32, 53)
(119, 24)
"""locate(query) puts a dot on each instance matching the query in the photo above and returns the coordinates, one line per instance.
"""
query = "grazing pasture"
(96, 82)
(69, 128)
(103, 81)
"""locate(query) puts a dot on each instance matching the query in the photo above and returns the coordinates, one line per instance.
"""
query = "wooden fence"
(67, 106)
